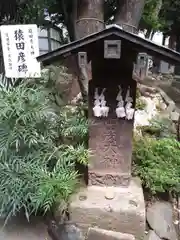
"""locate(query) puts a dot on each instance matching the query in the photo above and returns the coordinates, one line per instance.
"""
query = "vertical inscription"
(110, 144)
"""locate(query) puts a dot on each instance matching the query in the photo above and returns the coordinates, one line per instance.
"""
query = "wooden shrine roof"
(135, 41)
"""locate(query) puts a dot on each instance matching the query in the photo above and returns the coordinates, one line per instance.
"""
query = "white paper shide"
(128, 108)
(100, 109)
(20, 49)
(120, 110)
(124, 107)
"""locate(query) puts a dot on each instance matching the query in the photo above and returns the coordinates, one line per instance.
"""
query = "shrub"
(37, 167)
(163, 125)
(159, 127)
(140, 104)
(74, 125)
(152, 131)
(157, 163)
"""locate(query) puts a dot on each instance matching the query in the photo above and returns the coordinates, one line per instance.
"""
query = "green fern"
(37, 168)
(75, 125)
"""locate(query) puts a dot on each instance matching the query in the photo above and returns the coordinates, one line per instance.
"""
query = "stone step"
(102, 234)
(108, 178)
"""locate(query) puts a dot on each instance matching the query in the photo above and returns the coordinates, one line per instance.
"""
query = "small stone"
(175, 116)
(82, 197)
(176, 222)
(162, 106)
(131, 202)
(108, 208)
(110, 194)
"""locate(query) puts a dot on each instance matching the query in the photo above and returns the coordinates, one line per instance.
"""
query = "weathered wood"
(133, 41)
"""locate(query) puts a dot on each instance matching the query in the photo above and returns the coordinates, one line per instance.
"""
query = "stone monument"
(113, 200)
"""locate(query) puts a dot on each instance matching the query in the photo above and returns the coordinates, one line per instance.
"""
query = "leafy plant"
(140, 104)
(75, 125)
(37, 168)
(163, 125)
(152, 131)
(157, 163)
(159, 127)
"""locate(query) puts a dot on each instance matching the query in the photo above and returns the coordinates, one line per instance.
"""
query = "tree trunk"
(152, 35)
(164, 40)
(172, 42)
(157, 9)
(90, 17)
(148, 33)
(172, 45)
(177, 67)
(129, 14)
(70, 18)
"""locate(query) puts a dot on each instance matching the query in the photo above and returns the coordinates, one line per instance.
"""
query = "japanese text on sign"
(20, 49)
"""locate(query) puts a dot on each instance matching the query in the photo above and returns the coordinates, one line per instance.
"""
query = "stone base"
(111, 208)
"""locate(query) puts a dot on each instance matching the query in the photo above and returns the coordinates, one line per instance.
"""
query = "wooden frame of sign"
(112, 49)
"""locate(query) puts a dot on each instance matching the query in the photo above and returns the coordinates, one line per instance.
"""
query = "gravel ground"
(20, 229)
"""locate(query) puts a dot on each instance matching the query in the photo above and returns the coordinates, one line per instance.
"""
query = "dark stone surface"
(110, 141)
(108, 178)
(160, 219)
(65, 231)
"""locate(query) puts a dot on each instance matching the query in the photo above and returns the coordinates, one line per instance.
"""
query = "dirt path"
(20, 229)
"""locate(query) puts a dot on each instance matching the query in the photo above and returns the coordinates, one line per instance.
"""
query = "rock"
(152, 236)
(162, 106)
(65, 231)
(160, 219)
(110, 193)
(101, 234)
(174, 116)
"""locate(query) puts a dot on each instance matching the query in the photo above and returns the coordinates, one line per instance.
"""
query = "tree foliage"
(150, 18)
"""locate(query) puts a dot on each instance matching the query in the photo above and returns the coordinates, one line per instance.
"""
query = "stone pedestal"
(112, 201)
(111, 208)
